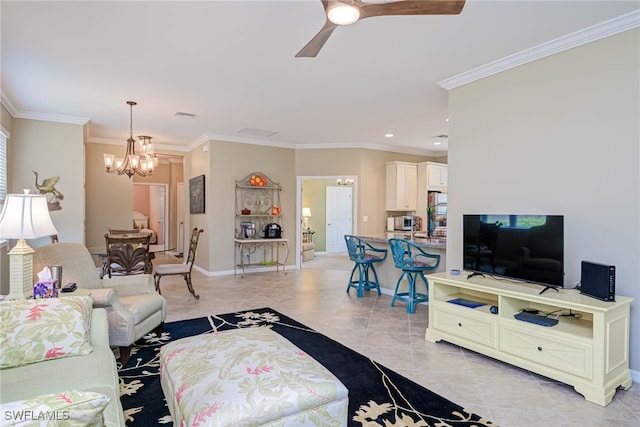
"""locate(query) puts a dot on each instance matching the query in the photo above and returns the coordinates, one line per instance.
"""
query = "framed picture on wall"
(196, 195)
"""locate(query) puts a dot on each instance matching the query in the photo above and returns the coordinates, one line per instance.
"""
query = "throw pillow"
(70, 408)
(33, 330)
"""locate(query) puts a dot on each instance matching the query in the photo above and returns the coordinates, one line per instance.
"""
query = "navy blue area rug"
(377, 396)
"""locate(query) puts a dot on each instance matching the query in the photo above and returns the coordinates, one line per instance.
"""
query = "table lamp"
(306, 214)
(24, 216)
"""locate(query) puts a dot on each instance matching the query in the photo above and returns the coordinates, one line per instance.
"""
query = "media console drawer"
(477, 327)
(561, 354)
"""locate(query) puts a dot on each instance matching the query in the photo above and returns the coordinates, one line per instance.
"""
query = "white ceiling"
(232, 64)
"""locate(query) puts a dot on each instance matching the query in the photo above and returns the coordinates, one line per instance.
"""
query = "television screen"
(529, 248)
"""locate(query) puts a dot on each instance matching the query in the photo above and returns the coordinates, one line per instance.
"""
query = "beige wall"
(177, 177)
(559, 136)
(109, 196)
(231, 162)
(197, 163)
(51, 149)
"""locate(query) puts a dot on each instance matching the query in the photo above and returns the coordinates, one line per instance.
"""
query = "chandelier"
(132, 163)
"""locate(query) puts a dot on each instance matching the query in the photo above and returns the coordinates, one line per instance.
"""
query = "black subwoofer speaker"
(598, 281)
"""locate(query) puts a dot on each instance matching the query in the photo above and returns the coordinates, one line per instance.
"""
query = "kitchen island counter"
(388, 274)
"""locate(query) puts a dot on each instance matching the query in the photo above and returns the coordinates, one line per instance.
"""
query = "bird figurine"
(48, 187)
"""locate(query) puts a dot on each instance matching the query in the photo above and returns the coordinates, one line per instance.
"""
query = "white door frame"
(180, 218)
(299, 180)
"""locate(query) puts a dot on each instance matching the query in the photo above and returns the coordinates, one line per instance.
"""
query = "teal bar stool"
(413, 261)
(364, 256)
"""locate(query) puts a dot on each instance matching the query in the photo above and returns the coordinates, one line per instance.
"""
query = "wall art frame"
(196, 195)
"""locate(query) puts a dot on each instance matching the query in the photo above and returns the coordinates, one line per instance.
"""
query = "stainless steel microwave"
(402, 223)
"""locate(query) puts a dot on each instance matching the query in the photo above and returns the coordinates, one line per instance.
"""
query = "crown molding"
(377, 147)
(279, 144)
(239, 139)
(596, 32)
(4, 99)
(96, 140)
(58, 118)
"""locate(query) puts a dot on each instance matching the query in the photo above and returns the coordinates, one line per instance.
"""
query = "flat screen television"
(527, 248)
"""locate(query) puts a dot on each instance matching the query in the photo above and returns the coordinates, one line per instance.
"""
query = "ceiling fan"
(346, 12)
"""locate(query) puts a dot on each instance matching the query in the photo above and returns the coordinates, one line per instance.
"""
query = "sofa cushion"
(36, 330)
(69, 408)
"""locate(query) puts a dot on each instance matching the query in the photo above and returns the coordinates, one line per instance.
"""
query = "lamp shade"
(306, 212)
(26, 216)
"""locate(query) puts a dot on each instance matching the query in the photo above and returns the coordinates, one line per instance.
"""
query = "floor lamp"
(24, 216)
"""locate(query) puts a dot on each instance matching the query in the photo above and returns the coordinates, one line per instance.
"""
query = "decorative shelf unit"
(260, 201)
(257, 201)
(588, 348)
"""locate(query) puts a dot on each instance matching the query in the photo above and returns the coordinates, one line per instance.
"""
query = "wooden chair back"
(128, 254)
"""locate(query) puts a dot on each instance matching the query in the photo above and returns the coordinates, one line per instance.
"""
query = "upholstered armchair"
(134, 308)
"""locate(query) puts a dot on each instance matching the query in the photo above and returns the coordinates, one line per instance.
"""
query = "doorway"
(339, 220)
(311, 193)
(152, 201)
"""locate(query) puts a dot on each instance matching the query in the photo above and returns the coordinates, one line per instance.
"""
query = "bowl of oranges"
(258, 181)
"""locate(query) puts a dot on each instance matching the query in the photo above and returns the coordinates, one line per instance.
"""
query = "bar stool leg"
(411, 301)
(396, 294)
(351, 281)
(362, 282)
(377, 283)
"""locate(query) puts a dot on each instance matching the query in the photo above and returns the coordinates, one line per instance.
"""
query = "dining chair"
(364, 256)
(127, 254)
(183, 269)
(413, 261)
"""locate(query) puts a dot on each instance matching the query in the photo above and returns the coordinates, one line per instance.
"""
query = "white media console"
(589, 351)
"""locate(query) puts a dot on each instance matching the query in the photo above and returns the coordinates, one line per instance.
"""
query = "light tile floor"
(315, 296)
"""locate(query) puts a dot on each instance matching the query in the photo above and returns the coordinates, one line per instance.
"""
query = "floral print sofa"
(56, 364)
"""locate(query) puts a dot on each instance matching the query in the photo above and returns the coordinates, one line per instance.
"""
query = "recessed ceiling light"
(446, 120)
(437, 143)
(343, 14)
(388, 135)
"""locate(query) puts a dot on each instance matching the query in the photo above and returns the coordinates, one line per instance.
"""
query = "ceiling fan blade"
(311, 49)
(411, 7)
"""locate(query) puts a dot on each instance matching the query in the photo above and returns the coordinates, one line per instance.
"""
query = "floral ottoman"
(248, 377)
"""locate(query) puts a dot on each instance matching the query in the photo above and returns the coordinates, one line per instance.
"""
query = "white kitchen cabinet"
(588, 348)
(437, 176)
(402, 186)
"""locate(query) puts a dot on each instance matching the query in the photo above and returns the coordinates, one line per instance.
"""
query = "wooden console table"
(588, 348)
(246, 247)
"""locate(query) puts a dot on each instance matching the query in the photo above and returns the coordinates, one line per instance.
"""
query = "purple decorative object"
(45, 289)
